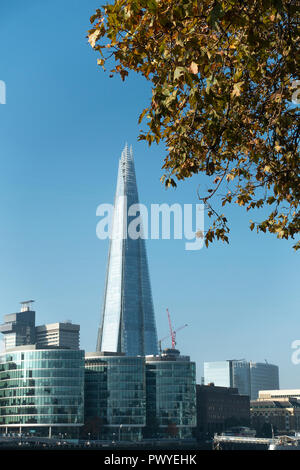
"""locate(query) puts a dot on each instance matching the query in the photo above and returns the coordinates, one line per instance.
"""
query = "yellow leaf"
(237, 89)
(93, 38)
(193, 68)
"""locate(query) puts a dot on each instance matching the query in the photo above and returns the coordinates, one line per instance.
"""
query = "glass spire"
(128, 323)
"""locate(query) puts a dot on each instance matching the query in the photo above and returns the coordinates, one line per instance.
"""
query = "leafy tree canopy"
(224, 78)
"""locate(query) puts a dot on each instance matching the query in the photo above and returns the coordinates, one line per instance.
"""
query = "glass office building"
(241, 377)
(264, 376)
(219, 373)
(115, 407)
(42, 391)
(170, 395)
(231, 373)
(247, 377)
(128, 323)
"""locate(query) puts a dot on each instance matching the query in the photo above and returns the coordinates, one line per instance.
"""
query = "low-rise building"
(219, 408)
(282, 415)
(277, 409)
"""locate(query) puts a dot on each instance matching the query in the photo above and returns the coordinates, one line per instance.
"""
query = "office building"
(219, 408)
(128, 323)
(170, 395)
(263, 376)
(64, 335)
(277, 409)
(42, 391)
(279, 394)
(19, 328)
(247, 377)
(230, 374)
(115, 397)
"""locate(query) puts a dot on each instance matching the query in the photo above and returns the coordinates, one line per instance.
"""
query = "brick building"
(219, 408)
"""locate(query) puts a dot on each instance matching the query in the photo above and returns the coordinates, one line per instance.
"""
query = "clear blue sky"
(62, 132)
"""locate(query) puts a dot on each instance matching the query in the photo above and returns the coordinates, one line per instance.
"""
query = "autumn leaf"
(223, 77)
(193, 68)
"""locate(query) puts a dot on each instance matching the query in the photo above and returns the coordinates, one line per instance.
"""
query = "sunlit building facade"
(128, 323)
(248, 377)
(264, 376)
(115, 397)
(170, 395)
(42, 391)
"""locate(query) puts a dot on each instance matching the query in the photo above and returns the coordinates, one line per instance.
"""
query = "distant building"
(230, 374)
(263, 376)
(42, 391)
(279, 394)
(219, 408)
(281, 413)
(247, 377)
(170, 395)
(63, 335)
(19, 328)
(115, 397)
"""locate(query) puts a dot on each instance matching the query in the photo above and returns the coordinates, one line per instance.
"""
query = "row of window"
(41, 401)
(42, 419)
(41, 354)
(41, 410)
(41, 391)
(40, 373)
(42, 364)
(41, 382)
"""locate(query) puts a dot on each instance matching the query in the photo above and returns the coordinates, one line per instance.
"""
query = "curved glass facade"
(42, 388)
(171, 396)
(115, 395)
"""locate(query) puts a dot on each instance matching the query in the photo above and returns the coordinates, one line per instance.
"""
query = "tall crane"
(172, 334)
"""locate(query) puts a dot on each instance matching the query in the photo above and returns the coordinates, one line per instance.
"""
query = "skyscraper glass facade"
(218, 373)
(42, 388)
(247, 377)
(264, 376)
(241, 377)
(232, 373)
(128, 323)
(170, 395)
(115, 395)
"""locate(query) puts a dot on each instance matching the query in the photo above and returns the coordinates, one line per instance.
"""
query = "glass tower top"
(128, 323)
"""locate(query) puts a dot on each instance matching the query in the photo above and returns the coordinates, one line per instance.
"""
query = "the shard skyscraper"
(128, 323)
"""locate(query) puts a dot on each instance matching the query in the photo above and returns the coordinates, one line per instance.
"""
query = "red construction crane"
(172, 332)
